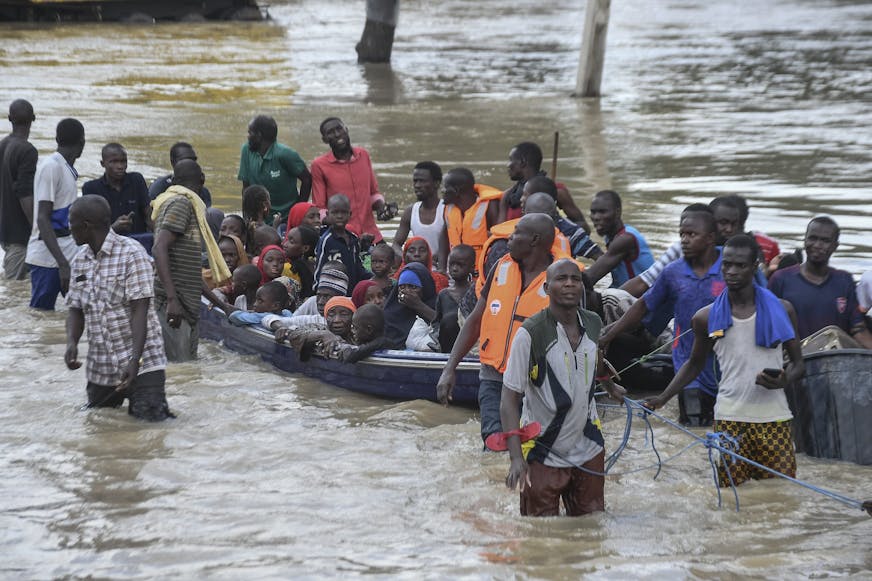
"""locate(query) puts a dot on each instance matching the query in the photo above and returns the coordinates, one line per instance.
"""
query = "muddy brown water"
(265, 475)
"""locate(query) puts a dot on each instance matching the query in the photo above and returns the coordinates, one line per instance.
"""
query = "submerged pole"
(593, 49)
(377, 39)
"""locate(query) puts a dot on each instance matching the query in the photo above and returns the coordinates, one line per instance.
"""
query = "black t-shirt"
(17, 168)
(133, 197)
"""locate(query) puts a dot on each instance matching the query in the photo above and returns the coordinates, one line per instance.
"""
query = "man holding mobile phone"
(747, 327)
(125, 191)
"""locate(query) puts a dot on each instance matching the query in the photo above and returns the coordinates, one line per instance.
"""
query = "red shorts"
(582, 492)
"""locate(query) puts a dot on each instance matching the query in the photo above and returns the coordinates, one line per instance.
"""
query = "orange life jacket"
(504, 230)
(507, 308)
(470, 227)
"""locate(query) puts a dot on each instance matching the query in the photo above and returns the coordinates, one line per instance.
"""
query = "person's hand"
(519, 473)
(387, 211)
(277, 220)
(129, 374)
(366, 240)
(445, 386)
(411, 300)
(605, 339)
(653, 403)
(64, 273)
(174, 313)
(124, 223)
(615, 391)
(71, 357)
(282, 334)
(771, 382)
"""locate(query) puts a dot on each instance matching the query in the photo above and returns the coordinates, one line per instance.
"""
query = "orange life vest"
(504, 230)
(470, 227)
(507, 308)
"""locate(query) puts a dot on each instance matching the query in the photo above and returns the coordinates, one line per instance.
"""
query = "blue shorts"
(45, 286)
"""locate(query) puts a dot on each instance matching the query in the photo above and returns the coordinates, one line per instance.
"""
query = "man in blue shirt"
(125, 191)
(691, 283)
(820, 294)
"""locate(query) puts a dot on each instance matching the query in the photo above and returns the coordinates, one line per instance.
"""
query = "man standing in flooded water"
(110, 295)
(553, 369)
(179, 151)
(17, 168)
(348, 170)
(51, 247)
(180, 228)
(747, 328)
(273, 165)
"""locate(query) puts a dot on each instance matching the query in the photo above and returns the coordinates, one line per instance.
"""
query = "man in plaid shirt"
(111, 287)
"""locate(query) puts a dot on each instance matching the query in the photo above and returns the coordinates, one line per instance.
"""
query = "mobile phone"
(772, 372)
(131, 216)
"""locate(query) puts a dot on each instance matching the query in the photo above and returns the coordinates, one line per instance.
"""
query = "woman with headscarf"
(413, 297)
(304, 213)
(368, 292)
(416, 249)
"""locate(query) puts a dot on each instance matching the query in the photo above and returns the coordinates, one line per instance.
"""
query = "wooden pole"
(554, 156)
(593, 49)
(377, 40)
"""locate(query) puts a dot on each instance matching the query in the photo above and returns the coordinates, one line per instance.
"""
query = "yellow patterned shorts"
(767, 443)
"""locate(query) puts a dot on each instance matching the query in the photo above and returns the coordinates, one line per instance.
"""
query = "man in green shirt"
(273, 165)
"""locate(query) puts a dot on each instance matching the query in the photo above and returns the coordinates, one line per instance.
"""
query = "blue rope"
(714, 443)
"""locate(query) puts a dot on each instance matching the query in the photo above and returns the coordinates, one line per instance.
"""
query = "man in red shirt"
(348, 170)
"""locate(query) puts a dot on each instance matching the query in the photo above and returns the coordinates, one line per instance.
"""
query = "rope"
(713, 440)
(648, 356)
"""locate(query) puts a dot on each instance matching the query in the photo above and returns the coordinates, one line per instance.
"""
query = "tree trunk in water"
(377, 39)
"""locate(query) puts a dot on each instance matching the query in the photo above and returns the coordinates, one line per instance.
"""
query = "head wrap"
(358, 295)
(398, 317)
(339, 302)
(240, 248)
(408, 276)
(296, 215)
(263, 277)
(334, 280)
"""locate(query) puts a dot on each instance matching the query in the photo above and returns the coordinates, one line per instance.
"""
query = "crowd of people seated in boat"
(291, 260)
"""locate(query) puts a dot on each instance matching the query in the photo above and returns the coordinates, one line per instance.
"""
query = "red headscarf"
(358, 295)
(439, 279)
(263, 277)
(296, 215)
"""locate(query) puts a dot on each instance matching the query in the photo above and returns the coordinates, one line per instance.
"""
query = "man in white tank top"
(425, 218)
(747, 328)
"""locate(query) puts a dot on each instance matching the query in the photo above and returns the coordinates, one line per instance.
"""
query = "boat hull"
(832, 406)
(398, 375)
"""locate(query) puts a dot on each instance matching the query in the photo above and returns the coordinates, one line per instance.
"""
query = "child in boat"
(262, 237)
(271, 265)
(413, 298)
(416, 249)
(256, 207)
(333, 283)
(240, 293)
(271, 298)
(233, 252)
(337, 243)
(300, 241)
(382, 264)
(461, 265)
(368, 292)
(366, 333)
(305, 214)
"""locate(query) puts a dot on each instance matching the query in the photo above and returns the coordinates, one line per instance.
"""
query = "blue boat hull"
(398, 375)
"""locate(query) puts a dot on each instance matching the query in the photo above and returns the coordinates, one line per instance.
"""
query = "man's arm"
(23, 186)
(620, 248)
(46, 231)
(161, 253)
(572, 212)
(403, 230)
(305, 178)
(702, 346)
(635, 286)
(319, 187)
(465, 341)
(628, 322)
(502, 207)
(510, 404)
(139, 327)
(75, 328)
(444, 249)
(493, 214)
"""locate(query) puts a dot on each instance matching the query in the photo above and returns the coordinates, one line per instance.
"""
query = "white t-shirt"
(55, 182)
(429, 232)
(740, 399)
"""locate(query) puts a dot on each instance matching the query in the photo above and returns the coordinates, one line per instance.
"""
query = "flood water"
(266, 475)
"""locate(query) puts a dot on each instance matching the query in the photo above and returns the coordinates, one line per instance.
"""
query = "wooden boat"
(399, 375)
(138, 11)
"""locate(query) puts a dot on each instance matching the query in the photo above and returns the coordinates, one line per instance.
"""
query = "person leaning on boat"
(747, 327)
(514, 291)
(564, 460)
